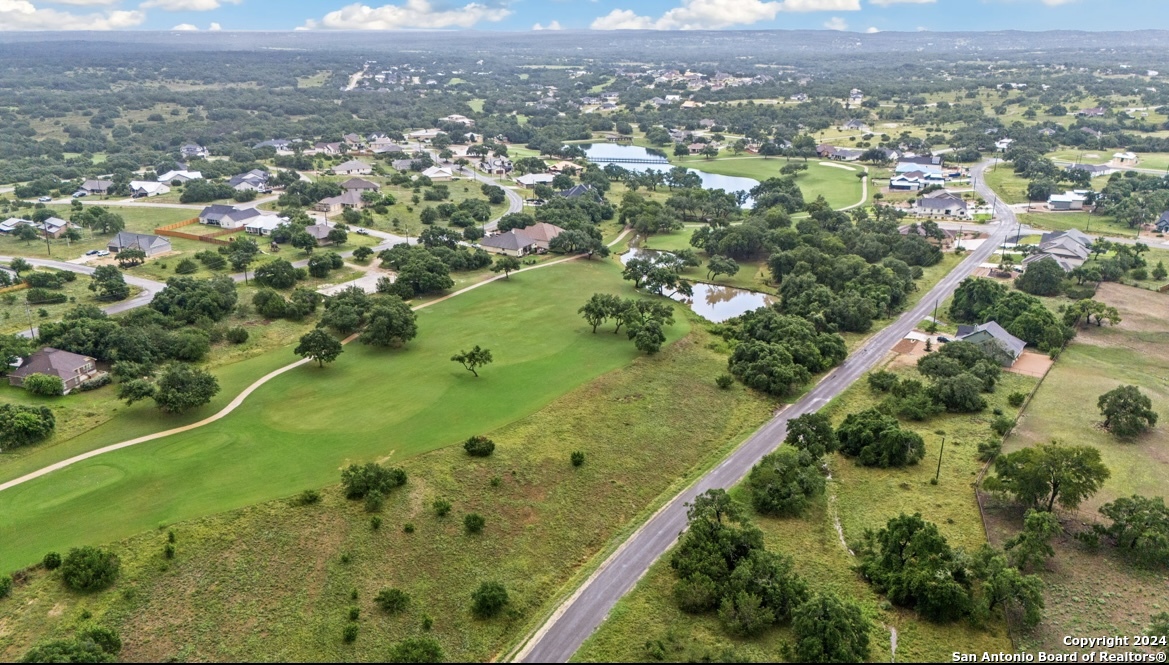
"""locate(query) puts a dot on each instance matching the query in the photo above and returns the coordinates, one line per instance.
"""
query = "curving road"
(568, 627)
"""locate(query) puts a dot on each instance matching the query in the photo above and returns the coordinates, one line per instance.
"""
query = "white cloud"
(84, 3)
(886, 3)
(185, 27)
(23, 15)
(873, 30)
(214, 27)
(714, 14)
(186, 5)
(554, 25)
(836, 23)
(411, 14)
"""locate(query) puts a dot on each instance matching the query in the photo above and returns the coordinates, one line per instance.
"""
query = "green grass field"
(839, 186)
(371, 404)
(860, 498)
(267, 581)
(1104, 225)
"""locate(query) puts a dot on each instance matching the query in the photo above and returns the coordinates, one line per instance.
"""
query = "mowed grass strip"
(267, 582)
(372, 404)
(839, 186)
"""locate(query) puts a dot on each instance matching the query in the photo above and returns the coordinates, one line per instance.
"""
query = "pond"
(605, 153)
(712, 302)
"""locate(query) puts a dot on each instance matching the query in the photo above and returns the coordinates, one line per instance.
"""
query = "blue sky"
(855, 15)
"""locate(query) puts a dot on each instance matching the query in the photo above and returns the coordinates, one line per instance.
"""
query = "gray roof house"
(151, 244)
(350, 198)
(360, 184)
(941, 206)
(1162, 224)
(255, 180)
(226, 216)
(994, 340)
(97, 186)
(512, 243)
(71, 368)
(353, 167)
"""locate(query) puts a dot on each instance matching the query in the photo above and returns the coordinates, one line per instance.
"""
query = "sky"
(523, 15)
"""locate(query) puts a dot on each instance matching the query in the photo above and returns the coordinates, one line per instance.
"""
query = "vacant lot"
(371, 404)
(269, 582)
(1089, 223)
(1093, 592)
(858, 498)
(138, 220)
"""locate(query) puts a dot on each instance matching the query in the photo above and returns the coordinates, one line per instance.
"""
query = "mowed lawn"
(371, 405)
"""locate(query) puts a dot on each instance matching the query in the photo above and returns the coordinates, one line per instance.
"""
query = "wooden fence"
(212, 237)
(177, 225)
(14, 287)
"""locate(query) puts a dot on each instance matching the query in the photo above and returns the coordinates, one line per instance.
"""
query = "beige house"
(71, 368)
(521, 242)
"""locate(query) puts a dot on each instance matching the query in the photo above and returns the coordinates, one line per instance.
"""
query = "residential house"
(194, 151)
(320, 232)
(909, 164)
(918, 229)
(439, 173)
(404, 164)
(520, 242)
(1092, 132)
(577, 191)
(280, 145)
(151, 244)
(182, 176)
(854, 126)
(322, 148)
(1070, 249)
(906, 182)
(563, 166)
(10, 225)
(945, 205)
(1003, 145)
(72, 368)
(1162, 225)
(144, 188)
(460, 119)
(922, 160)
(96, 186)
(360, 184)
(994, 341)
(54, 227)
(353, 141)
(530, 180)
(1094, 170)
(1067, 201)
(350, 198)
(227, 216)
(353, 167)
(424, 135)
(1094, 112)
(255, 180)
(264, 225)
(707, 123)
(1125, 159)
(696, 148)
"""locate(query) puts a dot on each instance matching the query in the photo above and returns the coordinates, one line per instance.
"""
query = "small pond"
(603, 153)
(712, 302)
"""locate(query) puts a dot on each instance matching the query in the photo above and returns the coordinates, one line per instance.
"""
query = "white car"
(103, 252)
(45, 199)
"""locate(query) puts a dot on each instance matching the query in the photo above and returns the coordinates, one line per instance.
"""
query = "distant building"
(1067, 201)
(182, 176)
(194, 151)
(145, 188)
(97, 186)
(353, 167)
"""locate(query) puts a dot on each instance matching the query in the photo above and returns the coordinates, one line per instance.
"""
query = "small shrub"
(427, 622)
(354, 613)
(237, 335)
(374, 501)
(392, 600)
(308, 498)
(89, 568)
(474, 522)
(1016, 399)
(997, 411)
(45, 385)
(488, 599)
(168, 551)
(883, 381)
(1139, 274)
(186, 267)
(345, 557)
(418, 649)
(988, 450)
(409, 527)
(350, 634)
(5, 585)
(375, 522)
(724, 381)
(496, 481)
(479, 446)
(170, 536)
(1002, 425)
(577, 458)
(52, 561)
(442, 507)
(94, 383)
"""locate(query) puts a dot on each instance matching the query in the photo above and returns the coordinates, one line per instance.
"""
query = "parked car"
(362, 232)
(45, 199)
(79, 193)
(92, 252)
(943, 340)
(103, 252)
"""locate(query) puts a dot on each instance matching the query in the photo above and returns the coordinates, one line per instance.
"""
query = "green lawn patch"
(1104, 225)
(839, 186)
(370, 405)
(1010, 187)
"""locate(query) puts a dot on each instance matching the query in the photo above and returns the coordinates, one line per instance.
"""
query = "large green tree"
(107, 283)
(784, 482)
(320, 346)
(389, 322)
(181, 387)
(1047, 474)
(1127, 412)
(831, 630)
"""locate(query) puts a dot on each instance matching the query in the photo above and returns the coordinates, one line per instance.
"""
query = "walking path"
(239, 399)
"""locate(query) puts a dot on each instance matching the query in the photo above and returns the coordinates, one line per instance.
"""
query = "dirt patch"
(1032, 364)
(1141, 310)
(57, 610)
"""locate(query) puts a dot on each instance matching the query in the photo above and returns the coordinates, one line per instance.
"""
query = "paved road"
(580, 615)
(515, 202)
(149, 286)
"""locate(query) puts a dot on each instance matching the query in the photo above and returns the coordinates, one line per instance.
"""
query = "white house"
(1125, 159)
(438, 173)
(228, 217)
(530, 180)
(144, 188)
(353, 167)
(181, 176)
(944, 204)
(1066, 201)
(263, 225)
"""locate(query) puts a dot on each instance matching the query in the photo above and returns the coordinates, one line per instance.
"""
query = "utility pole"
(938, 473)
(28, 312)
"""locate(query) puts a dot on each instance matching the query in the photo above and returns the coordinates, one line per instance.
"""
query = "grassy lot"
(858, 498)
(314, 81)
(15, 316)
(1104, 225)
(1010, 187)
(273, 445)
(268, 582)
(138, 220)
(1087, 591)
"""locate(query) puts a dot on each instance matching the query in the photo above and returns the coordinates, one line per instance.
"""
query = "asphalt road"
(149, 286)
(580, 615)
